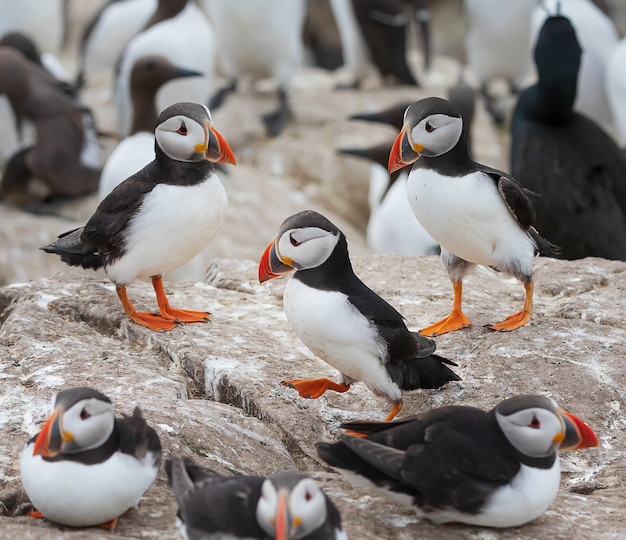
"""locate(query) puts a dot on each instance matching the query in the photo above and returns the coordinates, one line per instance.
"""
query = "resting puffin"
(477, 214)
(284, 506)
(86, 467)
(160, 217)
(344, 322)
(497, 468)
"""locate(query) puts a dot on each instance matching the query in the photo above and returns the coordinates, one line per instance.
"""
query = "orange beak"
(51, 437)
(403, 152)
(282, 517)
(218, 150)
(577, 433)
(272, 264)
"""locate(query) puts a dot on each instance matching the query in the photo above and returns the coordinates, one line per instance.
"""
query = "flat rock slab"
(212, 391)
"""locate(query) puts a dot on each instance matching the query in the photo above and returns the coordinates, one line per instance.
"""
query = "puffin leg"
(314, 388)
(35, 514)
(108, 525)
(521, 317)
(394, 411)
(149, 320)
(176, 315)
(455, 321)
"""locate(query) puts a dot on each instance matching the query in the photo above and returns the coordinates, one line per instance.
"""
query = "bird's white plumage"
(43, 22)
(392, 227)
(80, 495)
(174, 224)
(597, 37)
(261, 38)
(131, 155)
(186, 40)
(469, 218)
(330, 326)
(616, 88)
(525, 498)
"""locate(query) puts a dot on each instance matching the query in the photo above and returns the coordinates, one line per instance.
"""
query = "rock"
(213, 393)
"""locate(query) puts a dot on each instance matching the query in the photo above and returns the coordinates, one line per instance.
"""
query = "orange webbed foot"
(153, 321)
(511, 322)
(35, 514)
(108, 525)
(314, 388)
(455, 321)
(185, 316)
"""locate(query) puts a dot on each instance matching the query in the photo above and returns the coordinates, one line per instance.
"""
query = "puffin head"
(536, 426)
(83, 418)
(432, 127)
(291, 506)
(305, 240)
(185, 132)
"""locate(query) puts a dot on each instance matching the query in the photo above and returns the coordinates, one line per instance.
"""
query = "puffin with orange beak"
(86, 467)
(344, 322)
(497, 468)
(284, 506)
(477, 214)
(160, 217)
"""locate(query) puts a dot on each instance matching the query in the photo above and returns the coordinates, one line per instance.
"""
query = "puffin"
(461, 464)
(160, 217)
(86, 467)
(257, 39)
(477, 214)
(567, 156)
(284, 506)
(344, 322)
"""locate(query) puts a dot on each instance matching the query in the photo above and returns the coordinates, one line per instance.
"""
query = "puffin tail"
(544, 247)
(73, 251)
(428, 372)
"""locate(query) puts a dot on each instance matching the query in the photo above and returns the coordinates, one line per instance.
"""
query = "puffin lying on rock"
(343, 321)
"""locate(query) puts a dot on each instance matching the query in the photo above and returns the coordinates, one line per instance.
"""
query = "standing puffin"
(477, 214)
(343, 321)
(285, 506)
(160, 217)
(497, 468)
(86, 467)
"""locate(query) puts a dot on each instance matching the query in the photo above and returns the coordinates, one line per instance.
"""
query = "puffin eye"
(84, 414)
(182, 129)
(308, 496)
(429, 127)
(535, 423)
(293, 241)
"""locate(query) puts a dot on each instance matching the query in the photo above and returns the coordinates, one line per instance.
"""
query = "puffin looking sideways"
(342, 321)
(285, 506)
(477, 214)
(497, 468)
(160, 217)
(86, 467)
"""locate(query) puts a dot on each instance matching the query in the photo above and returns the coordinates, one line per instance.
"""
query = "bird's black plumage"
(451, 457)
(567, 157)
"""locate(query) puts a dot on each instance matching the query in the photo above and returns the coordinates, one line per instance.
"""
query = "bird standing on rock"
(86, 467)
(344, 322)
(477, 214)
(285, 506)
(497, 468)
(160, 217)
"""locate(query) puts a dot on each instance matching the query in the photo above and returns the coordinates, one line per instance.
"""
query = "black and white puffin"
(477, 214)
(86, 467)
(497, 468)
(160, 217)
(284, 506)
(344, 322)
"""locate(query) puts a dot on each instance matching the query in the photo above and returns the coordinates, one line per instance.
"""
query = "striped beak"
(51, 437)
(216, 149)
(403, 152)
(576, 435)
(272, 265)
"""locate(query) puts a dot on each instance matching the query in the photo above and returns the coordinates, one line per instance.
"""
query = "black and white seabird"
(283, 506)
(160, 217)
(477, 214)
(86, 467)
(566, 156)
(497, 468)
(344, 322)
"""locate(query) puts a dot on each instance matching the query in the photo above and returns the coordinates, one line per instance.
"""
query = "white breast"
(173, 225)
(469, 218)
(329, 325)
(528, 496)
(80, 495)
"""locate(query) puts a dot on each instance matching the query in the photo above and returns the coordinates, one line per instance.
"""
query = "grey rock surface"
(212, 391)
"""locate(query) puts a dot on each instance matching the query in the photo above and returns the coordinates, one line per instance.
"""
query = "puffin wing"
(137, 438)
(516, 197)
